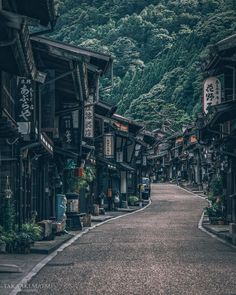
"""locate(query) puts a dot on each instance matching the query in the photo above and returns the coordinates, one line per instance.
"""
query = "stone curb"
(47, 259)
(206, 230)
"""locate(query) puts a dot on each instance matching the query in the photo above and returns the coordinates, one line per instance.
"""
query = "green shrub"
(132, 200)
(216, 186)
(33, 230)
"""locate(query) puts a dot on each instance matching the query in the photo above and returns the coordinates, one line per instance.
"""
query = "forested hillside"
(157, 45)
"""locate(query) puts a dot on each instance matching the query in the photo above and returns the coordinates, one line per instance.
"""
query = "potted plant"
(2, 240)
(216, 209)
(3, 243)
(33, 230)
(23, 243)
(133, 200)
(10, 241)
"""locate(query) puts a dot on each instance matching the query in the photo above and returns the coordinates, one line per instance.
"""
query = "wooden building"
(218, 130)
(18, 78)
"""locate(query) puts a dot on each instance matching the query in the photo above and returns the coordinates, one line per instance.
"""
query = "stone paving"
(157, 251)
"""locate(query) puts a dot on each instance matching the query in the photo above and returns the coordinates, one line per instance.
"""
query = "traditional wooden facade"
(219, 122)
(19, 76)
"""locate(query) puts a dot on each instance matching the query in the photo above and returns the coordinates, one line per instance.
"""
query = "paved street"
(157, 251)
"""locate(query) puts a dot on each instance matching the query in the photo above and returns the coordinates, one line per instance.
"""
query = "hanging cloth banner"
(212, 93)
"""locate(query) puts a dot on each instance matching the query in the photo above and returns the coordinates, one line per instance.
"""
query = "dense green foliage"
(157, 45)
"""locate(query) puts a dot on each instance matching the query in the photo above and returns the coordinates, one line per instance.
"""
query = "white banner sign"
(212, 93)
(89, 121)
(109, 145)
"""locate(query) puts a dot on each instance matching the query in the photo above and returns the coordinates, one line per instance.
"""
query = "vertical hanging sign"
(67, 129)
(25, 105)
(109, 145)
(212, 93)
(89, 121)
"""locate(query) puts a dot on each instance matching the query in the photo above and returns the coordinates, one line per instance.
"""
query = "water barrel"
(60, 207)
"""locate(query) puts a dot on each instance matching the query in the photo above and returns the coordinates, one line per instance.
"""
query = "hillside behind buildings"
(158, 47)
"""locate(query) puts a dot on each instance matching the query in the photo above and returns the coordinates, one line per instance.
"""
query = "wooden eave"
(68, 86)
(134, 127)
(221, 113)
(223, 53)
(16, 55)
(101, 61)
(42, 10)
(104, 109)
(227, 43)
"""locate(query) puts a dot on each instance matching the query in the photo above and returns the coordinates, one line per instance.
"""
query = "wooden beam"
(81, 80)
(75, 80)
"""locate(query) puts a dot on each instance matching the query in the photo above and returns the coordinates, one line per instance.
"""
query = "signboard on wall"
(89, 121)
(119, 156)
(108, 145)
(212, 93)
(67, 129)
(25, 105)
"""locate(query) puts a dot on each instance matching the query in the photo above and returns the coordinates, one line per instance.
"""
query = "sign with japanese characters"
(89, 121)
(25, 105)
(119, 156)
(109, 145)
(25, 98)
(212, 93)
(67, 129)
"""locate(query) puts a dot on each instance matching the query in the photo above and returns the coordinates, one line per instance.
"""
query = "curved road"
(157, 251)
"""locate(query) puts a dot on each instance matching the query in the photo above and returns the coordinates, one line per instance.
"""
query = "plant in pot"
(3, 243)
(23, 243)
(216, 209)
(30, 232)
(10, 241)
(133, 200)
(33, 230)
(2, 240)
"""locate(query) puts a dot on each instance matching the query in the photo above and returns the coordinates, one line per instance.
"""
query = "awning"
(43, 146)
(126, 167)
(221, 113)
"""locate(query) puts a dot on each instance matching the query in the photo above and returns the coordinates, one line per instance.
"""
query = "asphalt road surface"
(157, 251)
